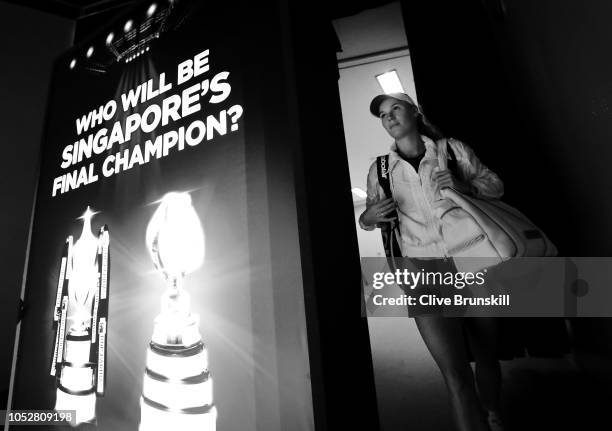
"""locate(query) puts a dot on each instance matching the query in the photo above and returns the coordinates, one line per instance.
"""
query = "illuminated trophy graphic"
(80, 320)
(177, 389)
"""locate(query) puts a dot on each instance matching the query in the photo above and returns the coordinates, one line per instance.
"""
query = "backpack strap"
(382, 169)
(388, 230)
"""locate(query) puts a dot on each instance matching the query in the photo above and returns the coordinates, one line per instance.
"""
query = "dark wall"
(29, 42)
(559, 50)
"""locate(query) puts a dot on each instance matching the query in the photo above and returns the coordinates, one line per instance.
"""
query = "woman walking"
(430, 230)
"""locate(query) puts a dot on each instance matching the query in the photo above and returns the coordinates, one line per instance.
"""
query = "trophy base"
(75, 388)
(177, 389)
(84, 405)
(154, 417)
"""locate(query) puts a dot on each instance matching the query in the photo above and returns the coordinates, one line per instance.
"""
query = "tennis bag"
(509, 231)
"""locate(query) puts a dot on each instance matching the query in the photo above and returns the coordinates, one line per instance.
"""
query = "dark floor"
(544, 394)
(538, 394)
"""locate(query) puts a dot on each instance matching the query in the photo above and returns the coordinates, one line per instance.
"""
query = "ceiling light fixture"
(390, 82)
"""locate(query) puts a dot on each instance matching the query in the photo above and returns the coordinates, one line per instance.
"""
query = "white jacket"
(420, 205)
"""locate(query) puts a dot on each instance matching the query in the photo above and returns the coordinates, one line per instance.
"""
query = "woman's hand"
(378, 212)
(445, 179)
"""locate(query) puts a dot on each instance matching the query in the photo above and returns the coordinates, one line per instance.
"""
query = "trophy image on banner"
(80, 321)
(177, 390)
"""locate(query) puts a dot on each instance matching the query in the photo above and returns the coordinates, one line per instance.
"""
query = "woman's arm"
(484, 182)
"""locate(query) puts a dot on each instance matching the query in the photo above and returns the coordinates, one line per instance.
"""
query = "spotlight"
(151, 9)
(73, 63)
(142, 51)
(90, 51)
(147, 49)
(109, 38)
(128, 26)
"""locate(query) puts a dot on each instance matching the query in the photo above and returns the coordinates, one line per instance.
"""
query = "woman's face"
(398, 118)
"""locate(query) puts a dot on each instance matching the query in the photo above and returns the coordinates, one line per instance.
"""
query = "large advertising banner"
(138, 301)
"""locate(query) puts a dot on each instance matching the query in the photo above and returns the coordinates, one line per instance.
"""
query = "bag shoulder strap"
(382, 169)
